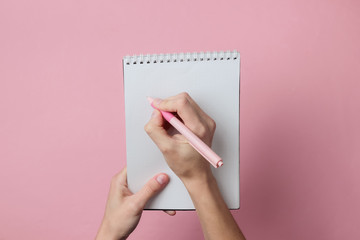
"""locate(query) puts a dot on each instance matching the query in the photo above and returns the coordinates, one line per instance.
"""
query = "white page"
(214, 85)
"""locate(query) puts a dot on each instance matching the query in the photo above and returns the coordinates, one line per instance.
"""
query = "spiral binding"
(181, 57)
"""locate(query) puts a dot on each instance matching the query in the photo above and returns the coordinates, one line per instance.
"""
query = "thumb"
(151, 188)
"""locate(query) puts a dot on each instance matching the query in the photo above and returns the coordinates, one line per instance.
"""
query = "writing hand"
(181, 157)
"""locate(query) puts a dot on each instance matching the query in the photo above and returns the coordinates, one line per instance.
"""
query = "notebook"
(213, 80)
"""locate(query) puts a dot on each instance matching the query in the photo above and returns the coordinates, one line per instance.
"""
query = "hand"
(181, 157)
(124, 209)
(194, 171)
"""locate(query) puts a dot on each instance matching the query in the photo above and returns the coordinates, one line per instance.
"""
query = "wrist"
(106, 232)
(201, 180)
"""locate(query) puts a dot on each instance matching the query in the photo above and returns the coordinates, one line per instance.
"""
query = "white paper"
(215, 86)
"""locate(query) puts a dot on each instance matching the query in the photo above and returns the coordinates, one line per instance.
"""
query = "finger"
(182, 106)
(179, 97)
(205, 118)
(172, 104)
(154, 128)
(170, 212)
(119, 185)
(191, 114)
(193, 103)
(151, 188)
(121, 177)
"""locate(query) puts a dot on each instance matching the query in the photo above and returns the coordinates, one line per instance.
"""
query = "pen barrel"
(197, 143)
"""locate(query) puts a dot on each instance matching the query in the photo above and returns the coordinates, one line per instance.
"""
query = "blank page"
(212, 80)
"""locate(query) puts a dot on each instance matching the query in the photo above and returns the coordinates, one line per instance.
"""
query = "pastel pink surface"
(62, 112)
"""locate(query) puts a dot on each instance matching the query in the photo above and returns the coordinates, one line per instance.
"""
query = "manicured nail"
(161, 179)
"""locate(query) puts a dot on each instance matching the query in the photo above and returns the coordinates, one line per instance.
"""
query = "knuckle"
(201, 131)
(212, 125)
(184, 95)
(134, 206)
(148, 128)
(183, 102)
(166, 149)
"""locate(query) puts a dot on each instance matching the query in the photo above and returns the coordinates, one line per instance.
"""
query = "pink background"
(62, 111)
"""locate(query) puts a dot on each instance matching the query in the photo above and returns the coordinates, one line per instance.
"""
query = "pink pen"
(194, 141)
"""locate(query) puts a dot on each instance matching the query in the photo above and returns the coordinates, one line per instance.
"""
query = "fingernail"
(161, 179)
(157, 101)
